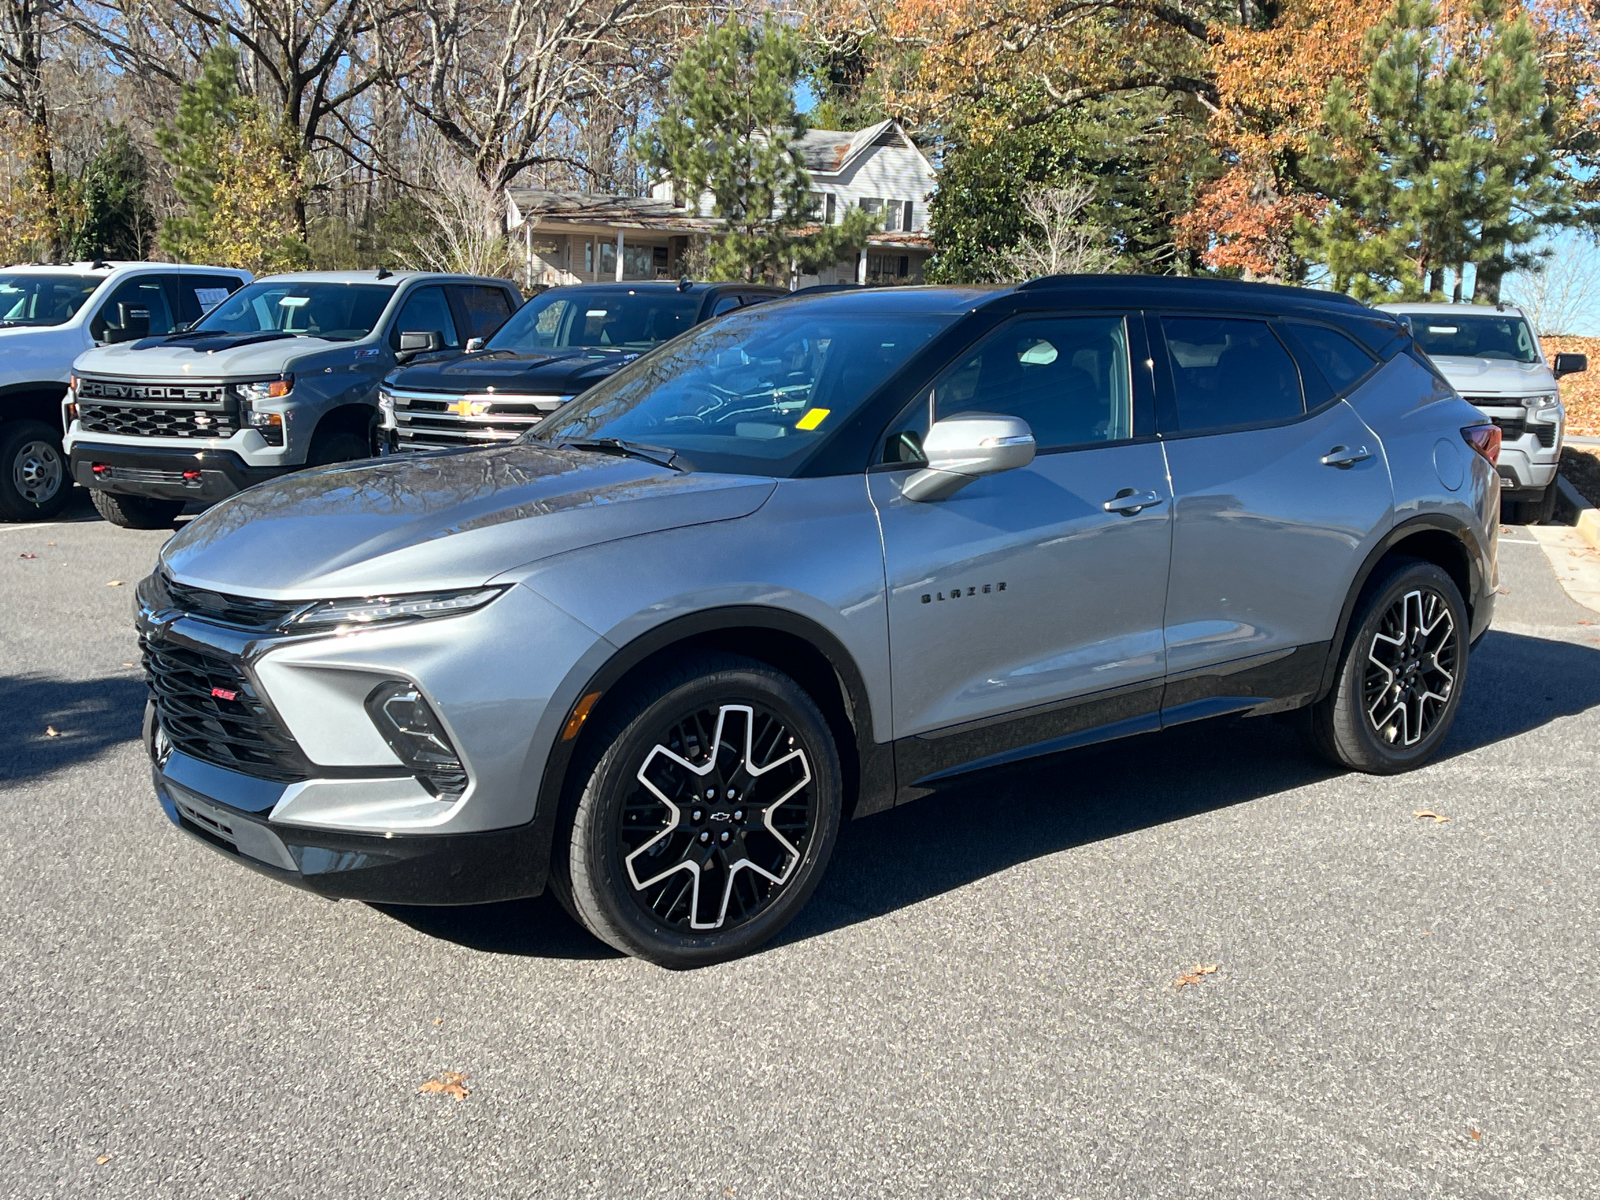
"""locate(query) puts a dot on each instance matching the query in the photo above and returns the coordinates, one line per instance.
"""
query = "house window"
(872, 204)
(828, 211)
(588, 258)
(908, 217)
(814, 202)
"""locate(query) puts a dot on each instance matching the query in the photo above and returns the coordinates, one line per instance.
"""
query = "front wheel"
(1533, 512)
(707, 817)
(1400, 680)
(34, 483)
(135, 512)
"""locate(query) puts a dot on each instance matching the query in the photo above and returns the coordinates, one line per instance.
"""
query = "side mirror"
(414, 343)
(133, 323)
(475, 344)
(1570, 364)
(963, 448)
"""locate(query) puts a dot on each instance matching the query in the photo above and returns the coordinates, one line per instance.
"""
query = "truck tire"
(34, 484)
(1533, 512)
(337, 446)
(135, 512)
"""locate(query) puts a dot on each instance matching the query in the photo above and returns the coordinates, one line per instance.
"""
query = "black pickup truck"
(556, 346)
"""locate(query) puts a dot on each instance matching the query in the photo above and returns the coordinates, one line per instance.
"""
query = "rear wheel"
(1400, 680)
(707, 816)
(33, 471)
(135, 512)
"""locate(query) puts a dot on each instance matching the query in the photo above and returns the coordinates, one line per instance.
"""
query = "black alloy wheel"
(1402, 674)
(708, 816)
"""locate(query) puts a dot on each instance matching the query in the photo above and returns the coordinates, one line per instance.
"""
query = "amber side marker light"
(580, 714)
(1485, 439)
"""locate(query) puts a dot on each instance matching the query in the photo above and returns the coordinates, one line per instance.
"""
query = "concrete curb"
(1588, 522)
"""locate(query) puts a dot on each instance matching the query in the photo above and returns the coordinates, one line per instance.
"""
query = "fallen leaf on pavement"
(448, 1084)
(115, 583)
(102, 1160)
(1195, 974)
(27, 556)
(1427, 814)
(1475, 1134)
(1505, 591)
(50, 731)
(127, 664)
(438, 1020)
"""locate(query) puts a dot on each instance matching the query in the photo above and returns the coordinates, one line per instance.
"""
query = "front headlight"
(265, 389)
(371, 610)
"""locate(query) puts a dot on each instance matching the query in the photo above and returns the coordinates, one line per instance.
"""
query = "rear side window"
(1341, 360)
(725, 304)
(484, 308)
(199, 294)
(1229, 371)
(425, 311)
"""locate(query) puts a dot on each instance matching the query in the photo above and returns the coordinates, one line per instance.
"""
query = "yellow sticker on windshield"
(813, 418)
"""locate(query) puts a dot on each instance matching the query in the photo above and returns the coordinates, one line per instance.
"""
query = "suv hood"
(1493, 376)
(543, 372)
(430, 522)
(209, 358)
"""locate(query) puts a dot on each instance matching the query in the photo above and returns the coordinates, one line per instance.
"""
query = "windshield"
(1506, 338)
(753, 393)
(43, 299)
(339, 312)
(623, 318)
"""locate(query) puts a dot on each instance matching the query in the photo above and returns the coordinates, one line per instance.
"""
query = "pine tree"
(727, 129)
(1444, 160)
(238, 176)
(113, 216)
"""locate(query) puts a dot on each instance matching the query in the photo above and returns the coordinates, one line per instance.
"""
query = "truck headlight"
(417, 737)
(265, 389)
(371, 610)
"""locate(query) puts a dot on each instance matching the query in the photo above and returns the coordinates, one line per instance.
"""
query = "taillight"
(1485, 439)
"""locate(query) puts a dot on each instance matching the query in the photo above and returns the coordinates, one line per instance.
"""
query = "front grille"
(199, 410)
(435, 420)
(209, 710)
(1545, 433)
(1511, 428)
(236, 612)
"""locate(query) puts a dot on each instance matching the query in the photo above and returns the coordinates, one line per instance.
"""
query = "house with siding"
(579, 237)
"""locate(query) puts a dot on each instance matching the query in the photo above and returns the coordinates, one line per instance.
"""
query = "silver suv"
(1491, 356)
(280, 375)
(810, 561)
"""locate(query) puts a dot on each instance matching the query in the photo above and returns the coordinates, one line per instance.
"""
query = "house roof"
(830, 151)
(585, 208)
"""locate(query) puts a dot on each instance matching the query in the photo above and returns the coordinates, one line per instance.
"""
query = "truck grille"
(439, 420)
(1511, 428)
(175, 410)
(210, 711)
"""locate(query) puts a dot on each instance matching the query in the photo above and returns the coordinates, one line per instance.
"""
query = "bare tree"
(495, 80)
(1061, 239)
(1563, 296)
(468, 224)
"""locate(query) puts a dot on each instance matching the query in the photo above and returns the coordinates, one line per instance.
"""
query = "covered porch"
(571, 237)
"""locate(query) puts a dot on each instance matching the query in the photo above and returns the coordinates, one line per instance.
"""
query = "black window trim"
(1296, 345)
(1143, 397)
(1166, 386)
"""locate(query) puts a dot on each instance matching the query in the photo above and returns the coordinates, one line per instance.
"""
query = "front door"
(1275, 510)
(1023, 611)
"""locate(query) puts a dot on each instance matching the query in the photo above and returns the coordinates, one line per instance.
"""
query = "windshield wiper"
(660, 455)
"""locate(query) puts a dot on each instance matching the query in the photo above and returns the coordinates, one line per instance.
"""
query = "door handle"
(1344, 457)
(1127, 502)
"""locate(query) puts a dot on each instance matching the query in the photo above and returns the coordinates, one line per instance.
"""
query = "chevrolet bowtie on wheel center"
(812, 559)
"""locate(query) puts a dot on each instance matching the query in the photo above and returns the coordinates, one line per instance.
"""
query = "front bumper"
(462, 868)
(165, 472)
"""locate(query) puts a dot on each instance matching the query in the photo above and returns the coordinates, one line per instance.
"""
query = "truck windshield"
(752, 394)
(1503, 337)
(339, 312)
(43, 299)
(610, 318)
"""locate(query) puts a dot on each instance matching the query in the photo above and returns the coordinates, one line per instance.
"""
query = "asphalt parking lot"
(980, 1001)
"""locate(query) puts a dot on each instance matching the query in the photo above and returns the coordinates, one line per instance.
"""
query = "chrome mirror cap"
(963, 448)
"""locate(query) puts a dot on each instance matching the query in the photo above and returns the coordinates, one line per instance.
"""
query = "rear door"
(1023, 610)
(1275, 508)
(480, 309)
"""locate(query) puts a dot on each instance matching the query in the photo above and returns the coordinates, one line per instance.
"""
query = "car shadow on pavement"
(54, 723)
(538, 928)
(1001, 818)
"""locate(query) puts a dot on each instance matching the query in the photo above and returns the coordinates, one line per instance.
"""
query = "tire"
(34, 482)
(1362, 723)
(337, 446)
(1533, 512)
(683, 884)
(135, 512)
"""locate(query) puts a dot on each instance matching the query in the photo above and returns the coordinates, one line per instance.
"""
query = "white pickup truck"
(49, 314)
